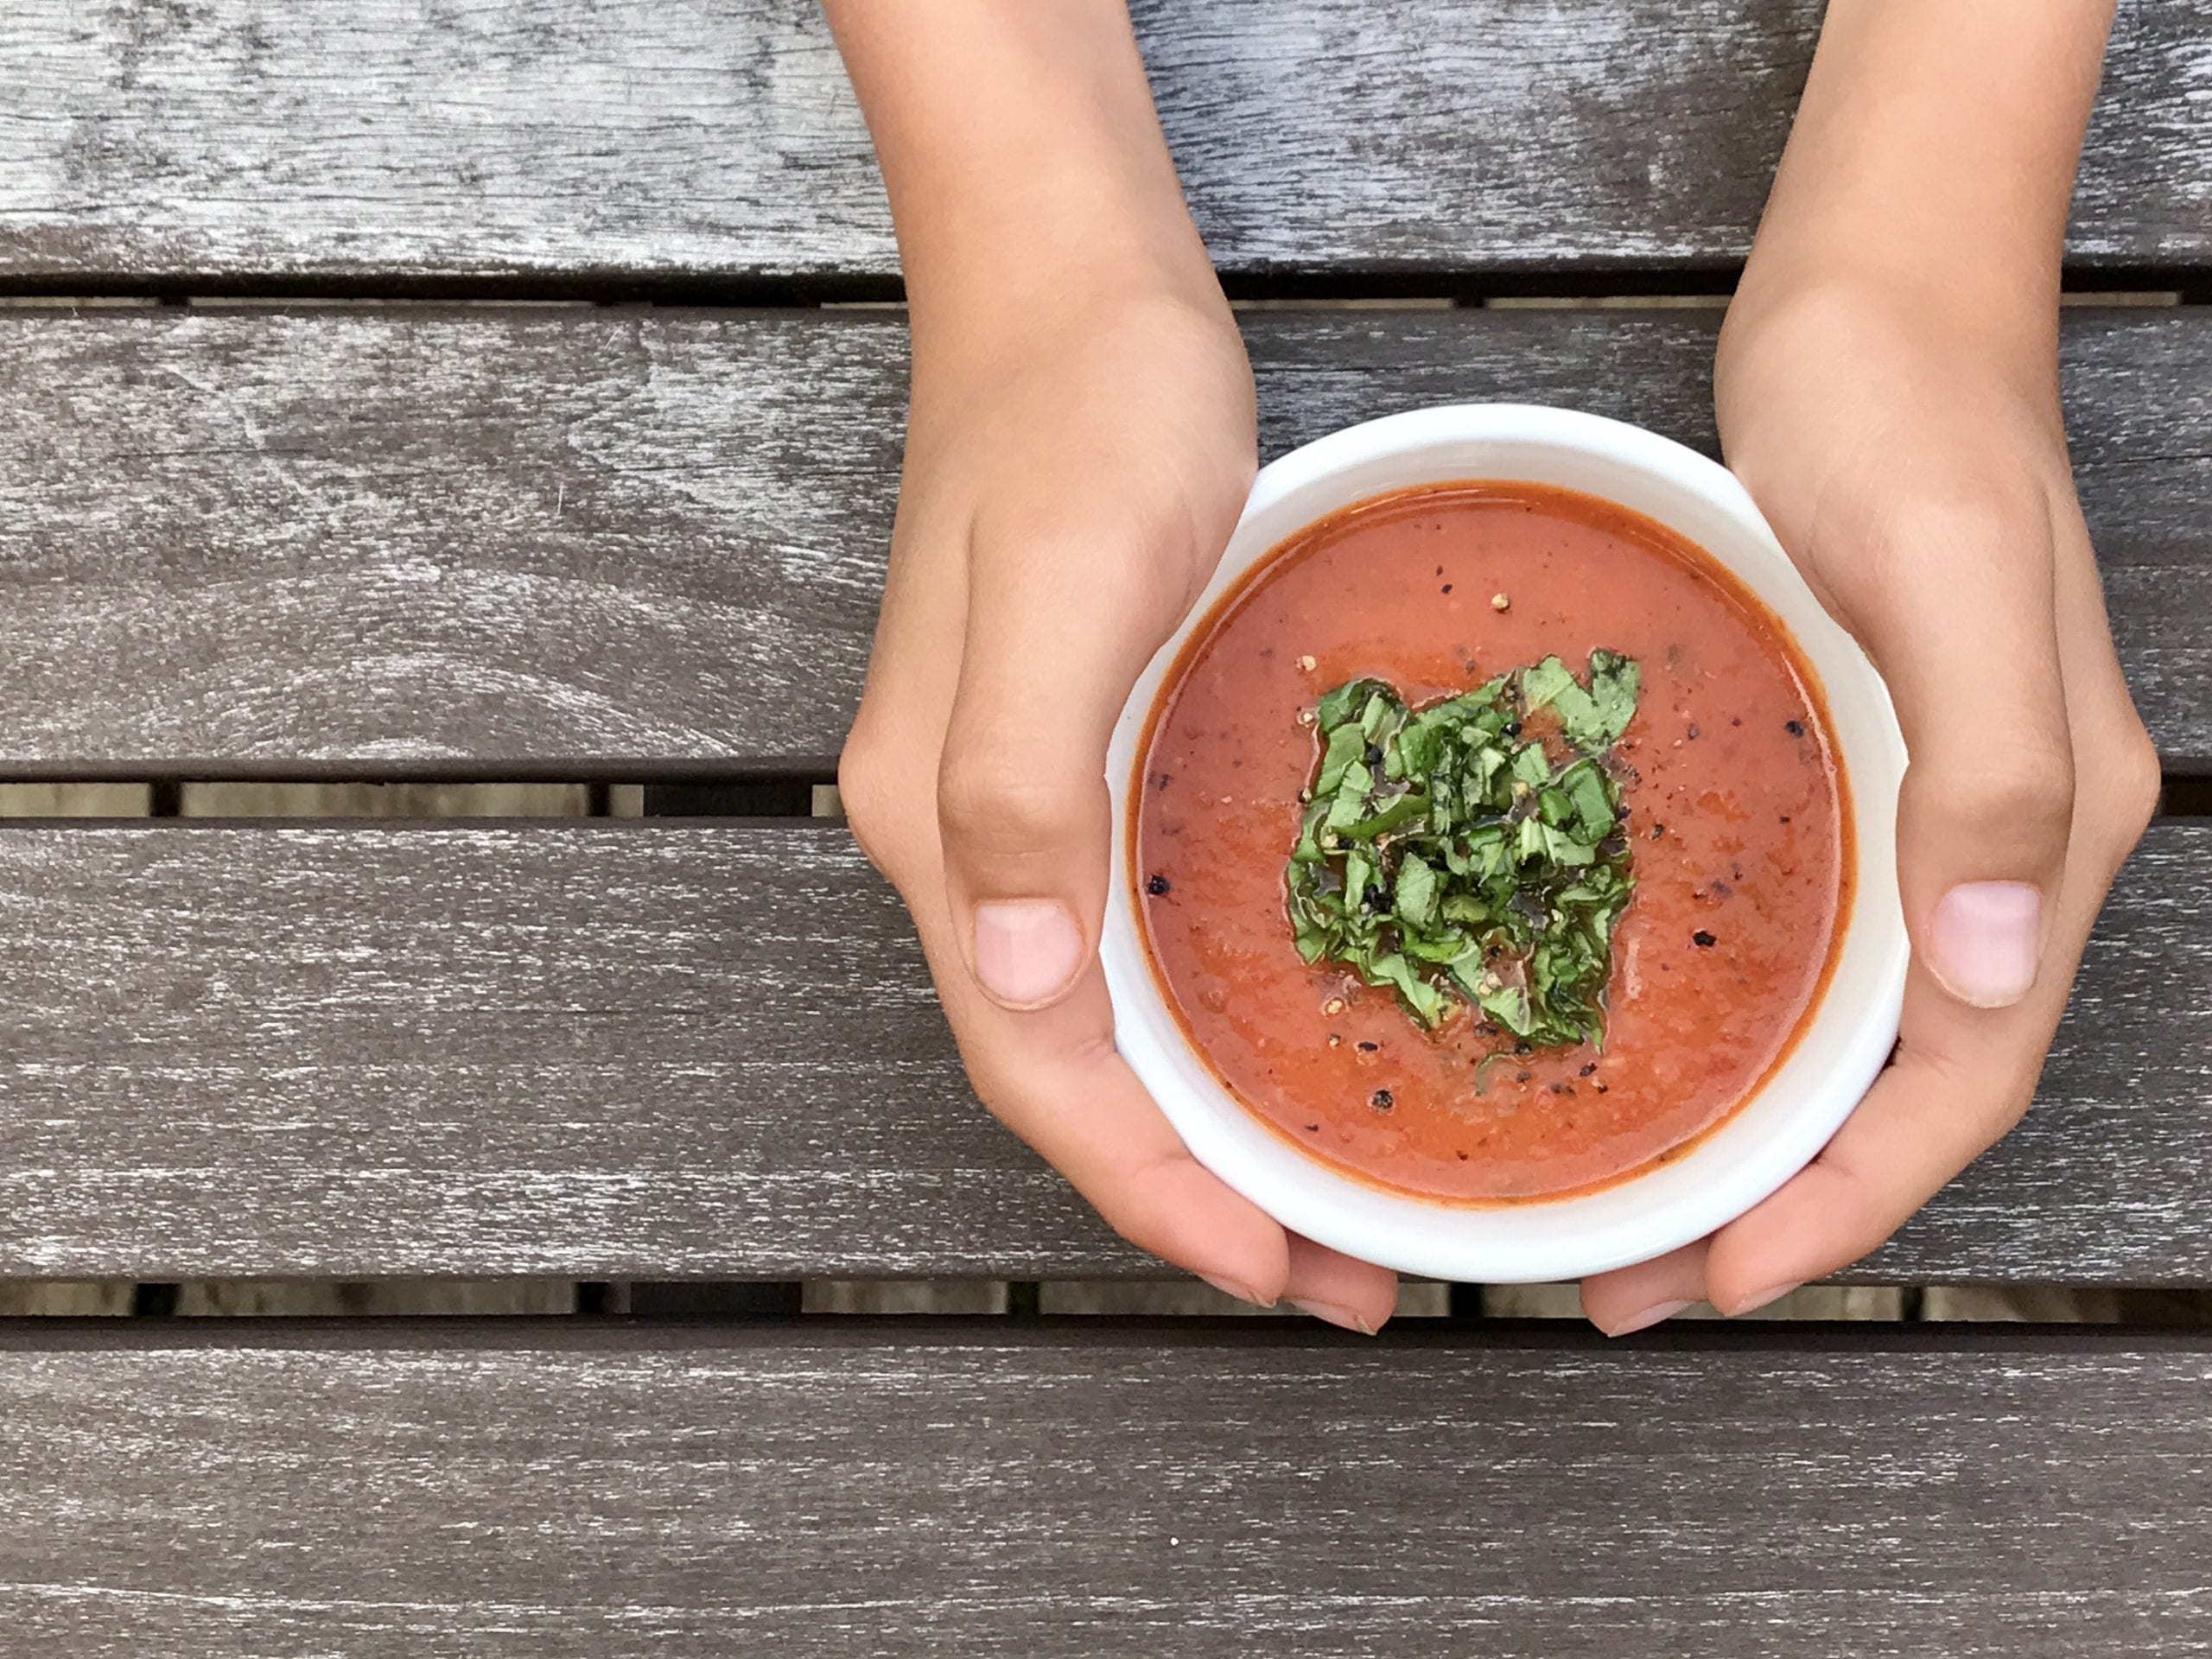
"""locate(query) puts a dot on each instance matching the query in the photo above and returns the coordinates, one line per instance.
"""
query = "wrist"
(1021, 151)
(1880, 308)
(1984, 293)
(1077, 242)
(1931, 158)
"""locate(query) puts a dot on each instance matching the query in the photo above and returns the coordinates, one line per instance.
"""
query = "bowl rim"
(1726, 1171)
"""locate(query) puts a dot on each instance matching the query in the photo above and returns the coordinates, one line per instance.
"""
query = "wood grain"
(685, 1049)
(540, 541)
(533, 1489)
(610, 145)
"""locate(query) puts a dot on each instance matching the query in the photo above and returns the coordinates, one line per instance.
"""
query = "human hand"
(1910, 456)
(1074, 467)
(1079, 446)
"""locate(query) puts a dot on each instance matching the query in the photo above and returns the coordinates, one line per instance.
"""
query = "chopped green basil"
(1443, 852)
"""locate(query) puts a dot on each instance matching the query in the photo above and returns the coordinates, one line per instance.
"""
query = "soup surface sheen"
(1737, 813)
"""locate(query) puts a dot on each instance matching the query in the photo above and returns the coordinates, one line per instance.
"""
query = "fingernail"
(1027, 950)
(1331, 1313)
(1983, 941)
(1758, 1299)
(1231, 1288)
(1655, 1314)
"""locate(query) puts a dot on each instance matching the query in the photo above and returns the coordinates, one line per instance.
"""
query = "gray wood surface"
(896, 1490)
(532, 540)
(604, 144)
(662, 1050)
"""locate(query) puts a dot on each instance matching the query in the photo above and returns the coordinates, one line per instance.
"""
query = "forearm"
(1934, 149)
(1019, 145)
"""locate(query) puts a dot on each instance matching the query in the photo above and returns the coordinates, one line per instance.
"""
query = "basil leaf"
(1546, 682)
(1337, 706)
(1440, 857)
(1595, 717)
(1415, 898)
(1614, 682)
(1403, 810)
(1345, 745)
(1584, 786)
(1509, 1006)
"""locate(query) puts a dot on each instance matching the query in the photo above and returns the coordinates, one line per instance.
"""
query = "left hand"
(1910, 456)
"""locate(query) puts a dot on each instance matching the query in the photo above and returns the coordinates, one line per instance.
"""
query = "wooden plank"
(537, 1489)
(613, 147)
(380, 542)
(695, 1050)
(533, 541)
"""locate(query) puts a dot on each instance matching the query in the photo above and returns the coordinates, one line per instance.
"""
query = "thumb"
(1961, 623)
(1059, 626)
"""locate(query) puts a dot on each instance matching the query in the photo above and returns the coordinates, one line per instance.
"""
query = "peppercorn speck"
(1703, 940)
(1381, 1100)
(1795, 728)
(1158, 886)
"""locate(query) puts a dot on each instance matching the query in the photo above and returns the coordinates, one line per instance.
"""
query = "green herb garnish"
(1446, 855)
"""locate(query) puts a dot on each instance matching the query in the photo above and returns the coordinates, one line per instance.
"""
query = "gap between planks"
(383, 802)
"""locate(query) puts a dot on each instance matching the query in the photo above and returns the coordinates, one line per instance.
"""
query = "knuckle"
(2129, 786)
(870, 783)
(1985, 529)
(990, 800)
(2025, 788)
(1968, 517)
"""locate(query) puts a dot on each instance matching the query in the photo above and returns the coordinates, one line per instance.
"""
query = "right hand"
(1074, 466)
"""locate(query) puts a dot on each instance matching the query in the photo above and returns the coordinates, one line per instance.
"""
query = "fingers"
(1925, 1119)
(1060, 622)
(1054, 1080)
(1357, 1295)
(1052, 1076)
(1953, 600)
(1634, 1298)
(1962, 1077)
(1950, 1095)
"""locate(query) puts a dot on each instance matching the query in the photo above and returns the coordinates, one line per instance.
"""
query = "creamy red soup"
(1736, 812)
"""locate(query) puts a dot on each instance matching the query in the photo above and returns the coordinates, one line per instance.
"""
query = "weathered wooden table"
(353, 501)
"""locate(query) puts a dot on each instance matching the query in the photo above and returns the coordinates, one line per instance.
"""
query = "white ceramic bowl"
(1848, 1035)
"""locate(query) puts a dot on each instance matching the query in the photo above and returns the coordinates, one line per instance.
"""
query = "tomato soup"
(1733, 801)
